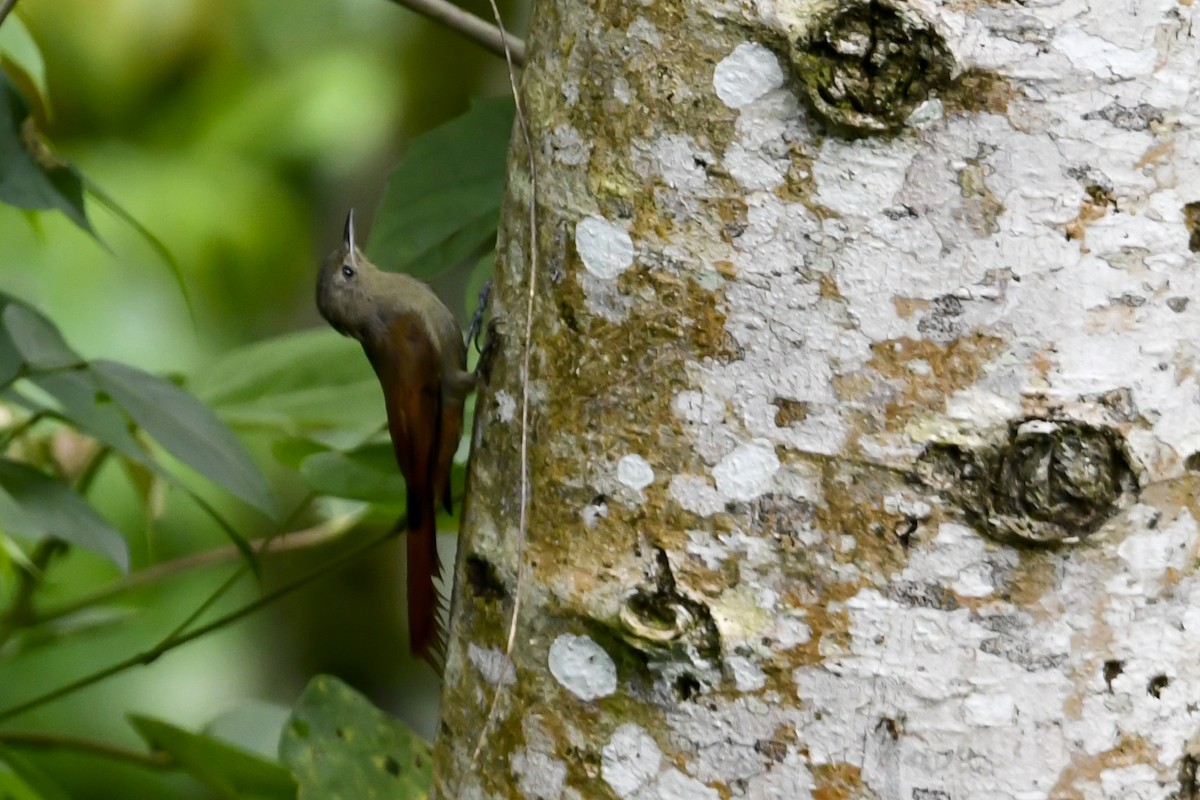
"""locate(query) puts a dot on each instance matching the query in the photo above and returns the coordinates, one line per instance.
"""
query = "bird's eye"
(347, 271)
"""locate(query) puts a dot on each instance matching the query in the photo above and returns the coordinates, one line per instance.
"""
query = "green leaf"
(20, 780)
(227, 770)
(295, 383)
(368, 473)
(37, 339)
(91, 409)
(340, 747)
(12, 787)
(160, 249)
(10, 359)
(48, 634)
(21, 58)
(442, 202)
(253, 725)
(187, 429)
(292, 450)
(47, 507)
(19, 50)
(11, 553)
(34, 179)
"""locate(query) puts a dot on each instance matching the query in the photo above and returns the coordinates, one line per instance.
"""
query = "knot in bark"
(866, 66)
(1046, 481)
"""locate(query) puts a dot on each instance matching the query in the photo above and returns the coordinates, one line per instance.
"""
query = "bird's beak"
(348, 237)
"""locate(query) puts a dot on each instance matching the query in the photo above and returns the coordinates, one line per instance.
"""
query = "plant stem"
(236, 575)
(288, 542)
(149, 656)
(84, 483)
(51, 741)
(19, 430)
(20, 611)
(213, 596)
(482, 32)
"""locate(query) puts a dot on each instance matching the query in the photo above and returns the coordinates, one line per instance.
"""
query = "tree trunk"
(863, 409)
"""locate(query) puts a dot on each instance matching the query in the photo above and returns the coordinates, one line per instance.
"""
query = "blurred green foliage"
(239, 132)
(229, 137)
(339, 745)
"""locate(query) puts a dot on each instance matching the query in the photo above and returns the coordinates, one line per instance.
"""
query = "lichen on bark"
(768, 348)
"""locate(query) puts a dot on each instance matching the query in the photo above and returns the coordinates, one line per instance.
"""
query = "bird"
(416, 348)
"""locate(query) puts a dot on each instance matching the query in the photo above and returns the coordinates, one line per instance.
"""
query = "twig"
(488, 36)
(523, 502)
(209, 602)
(88, 476)
(51, 741)
(244, 546)
(296, 540)
(237, 574)
(151, 655)
(20, 429)
(6, 9)
(20, 611)
(25, 371)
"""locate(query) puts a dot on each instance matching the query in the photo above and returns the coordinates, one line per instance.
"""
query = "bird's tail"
(426, 636)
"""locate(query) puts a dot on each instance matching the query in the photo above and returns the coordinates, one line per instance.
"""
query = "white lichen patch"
(788, 778)
(912, 507)
(620, 90)
(634, 472)
(644, 31)
(539, 775)
(506, 406)
(960, 559)
(933, 678)
(630, 760)
(1100, 56)
(593, 513)
(1041, 688)
(675, 785)
(861, 179)
(568, 146)
(746, 74)
(606, 249)
(989, 709)
(1149, 554)
(495, 666)
(1138, 780)
(624, 482)
(675, 159)
(759, 159)
(696, 493)
(746, 472)
(582, 667)
(730, 734)
(791, 631)
(746, 674)
(697, 408)
(708, 548)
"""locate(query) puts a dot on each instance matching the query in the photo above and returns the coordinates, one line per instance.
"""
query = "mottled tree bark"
(863, 409)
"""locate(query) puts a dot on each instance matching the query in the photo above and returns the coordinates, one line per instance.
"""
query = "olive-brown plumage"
(416, 348)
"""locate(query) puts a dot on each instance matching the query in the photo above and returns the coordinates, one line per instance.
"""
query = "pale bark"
(863, 407)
